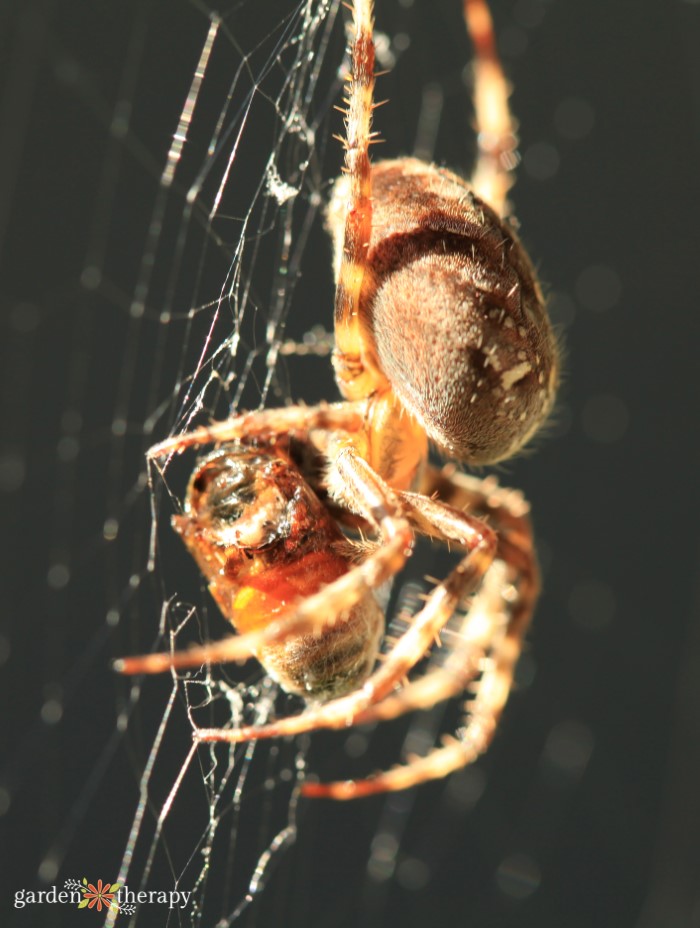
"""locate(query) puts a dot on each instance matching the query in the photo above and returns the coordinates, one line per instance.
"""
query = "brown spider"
(441, 334)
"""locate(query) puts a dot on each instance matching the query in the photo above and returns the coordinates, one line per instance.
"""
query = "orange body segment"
(275, 589)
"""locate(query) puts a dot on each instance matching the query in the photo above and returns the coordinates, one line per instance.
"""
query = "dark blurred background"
(586, 811)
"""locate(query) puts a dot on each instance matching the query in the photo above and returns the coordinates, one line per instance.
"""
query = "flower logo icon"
(97, 896)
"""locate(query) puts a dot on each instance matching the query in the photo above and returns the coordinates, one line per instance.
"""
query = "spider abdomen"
(455, 314)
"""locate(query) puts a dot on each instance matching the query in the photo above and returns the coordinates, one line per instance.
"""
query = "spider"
(442, 337)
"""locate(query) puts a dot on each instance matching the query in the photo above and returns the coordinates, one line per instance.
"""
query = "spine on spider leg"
(358, 209)
(496, 129)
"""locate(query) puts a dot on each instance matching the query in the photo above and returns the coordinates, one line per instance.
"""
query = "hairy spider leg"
(514, 593)
(490, 641)
(496, 129)
(328, 417)
(355, 380)
(433, 518)
(482, 624)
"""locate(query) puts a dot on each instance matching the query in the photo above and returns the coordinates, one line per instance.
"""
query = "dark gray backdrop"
(586, 811)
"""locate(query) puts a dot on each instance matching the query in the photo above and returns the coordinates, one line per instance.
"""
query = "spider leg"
(495, 625)
(488, 616)
(345, 416)
(353, 378)
(496, 128)
(504, 508)
(369, 495)
(431, 517)
(486, 619)
(497, 605)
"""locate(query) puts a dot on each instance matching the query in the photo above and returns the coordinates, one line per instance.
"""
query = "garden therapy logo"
(100, 896)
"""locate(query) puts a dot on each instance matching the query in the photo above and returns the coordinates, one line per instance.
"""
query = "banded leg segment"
(329, 417)
(347, 357)
(496, 129)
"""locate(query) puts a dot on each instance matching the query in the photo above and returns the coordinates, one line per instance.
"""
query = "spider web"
(193, 292)
(237, 200)
(213, 130)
